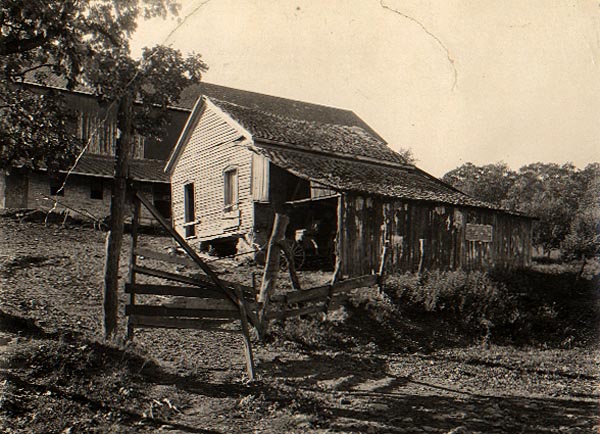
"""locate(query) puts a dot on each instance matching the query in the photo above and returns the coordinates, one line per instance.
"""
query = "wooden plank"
(201, 303)
(357, 282)
(337, 272)
(308, 294)
(323, 291)
(272, 265)
(175, 311)
(181, 291)
(279, 298)
(294, 312)
(135, 223)
(165, 257)
(173, 276)
(141, 321)
(200, 281)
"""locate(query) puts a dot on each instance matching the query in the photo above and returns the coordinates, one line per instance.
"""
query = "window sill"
(231, 214)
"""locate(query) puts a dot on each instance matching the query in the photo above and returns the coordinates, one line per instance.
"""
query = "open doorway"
(311, 232)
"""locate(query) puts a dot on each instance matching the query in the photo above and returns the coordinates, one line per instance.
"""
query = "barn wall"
(211, 149)
(31, 190)
(16, 186)
(97, 123)
(76, 195)
(426, 236)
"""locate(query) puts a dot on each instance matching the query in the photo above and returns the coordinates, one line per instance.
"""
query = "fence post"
(271, 266)
(245, 332)
(381, 275)
(135, 223)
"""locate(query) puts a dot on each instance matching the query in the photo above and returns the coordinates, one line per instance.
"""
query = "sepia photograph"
(299, 216)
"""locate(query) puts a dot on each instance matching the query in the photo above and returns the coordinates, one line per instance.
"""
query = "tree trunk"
(583, 264)
(117, 215)
(272, 264)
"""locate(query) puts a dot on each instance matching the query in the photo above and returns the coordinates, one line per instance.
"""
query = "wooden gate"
(206, 302)
(203, 301)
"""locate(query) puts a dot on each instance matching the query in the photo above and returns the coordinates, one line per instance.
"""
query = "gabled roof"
(285, 107)
(103, 167)
(341, 157)
(260, 125)
(318, 136)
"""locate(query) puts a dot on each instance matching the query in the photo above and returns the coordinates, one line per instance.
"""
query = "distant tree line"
(564, 199)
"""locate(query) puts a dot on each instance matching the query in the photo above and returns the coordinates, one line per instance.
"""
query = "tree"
(58, 38)
(155, 82)
(549, 192)
(86, 42)
(489, 183)
(583, 239)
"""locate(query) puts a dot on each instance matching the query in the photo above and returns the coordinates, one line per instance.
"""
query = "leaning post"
(272, 265)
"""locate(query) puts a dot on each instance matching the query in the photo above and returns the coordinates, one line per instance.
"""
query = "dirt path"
(59, 378)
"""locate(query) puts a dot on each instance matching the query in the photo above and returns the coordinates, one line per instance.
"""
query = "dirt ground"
(346, 374)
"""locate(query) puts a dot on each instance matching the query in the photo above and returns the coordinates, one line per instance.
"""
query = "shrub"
(473, 299)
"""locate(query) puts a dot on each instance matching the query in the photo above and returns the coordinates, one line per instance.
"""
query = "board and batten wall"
(425, 236)
(212, 148)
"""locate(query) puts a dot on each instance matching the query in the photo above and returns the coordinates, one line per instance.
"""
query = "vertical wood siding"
(210, 150)
(428, 236)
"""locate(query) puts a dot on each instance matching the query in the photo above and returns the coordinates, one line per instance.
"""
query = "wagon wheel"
(298, 255)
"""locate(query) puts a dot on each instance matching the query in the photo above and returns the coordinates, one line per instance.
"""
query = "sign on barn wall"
(482, 233)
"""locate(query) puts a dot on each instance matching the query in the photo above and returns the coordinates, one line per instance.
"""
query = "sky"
(454, 81)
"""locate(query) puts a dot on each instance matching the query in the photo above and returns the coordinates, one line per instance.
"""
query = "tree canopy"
(490, 183)
(86, 44)
(550, 192)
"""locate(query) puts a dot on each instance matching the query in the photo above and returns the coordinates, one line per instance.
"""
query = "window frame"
(231, 186)
(189, 209)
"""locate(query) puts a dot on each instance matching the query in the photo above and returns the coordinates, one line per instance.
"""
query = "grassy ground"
(374, 366)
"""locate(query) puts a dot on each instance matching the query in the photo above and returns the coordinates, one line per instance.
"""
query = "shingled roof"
(313, 135)
(285, 107)
(346, 174)
(103, 167)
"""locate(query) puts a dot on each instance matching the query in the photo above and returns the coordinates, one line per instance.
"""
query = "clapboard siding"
(212, 147)
(424, 236)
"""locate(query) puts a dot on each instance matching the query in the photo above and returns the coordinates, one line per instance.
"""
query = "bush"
(472, 299)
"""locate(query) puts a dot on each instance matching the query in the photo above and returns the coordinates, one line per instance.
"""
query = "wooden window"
(260, 178)
(189, 210)
(96, 189)
(230, 183)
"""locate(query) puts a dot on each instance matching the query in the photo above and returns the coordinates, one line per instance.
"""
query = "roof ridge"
(235, 89)
(303, 121)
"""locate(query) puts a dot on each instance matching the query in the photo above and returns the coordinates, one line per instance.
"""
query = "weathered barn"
(241, 155)
(87, 189)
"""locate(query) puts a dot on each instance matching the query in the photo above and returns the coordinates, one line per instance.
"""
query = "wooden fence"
(315, 300)
(203, 301)
(161, 298)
